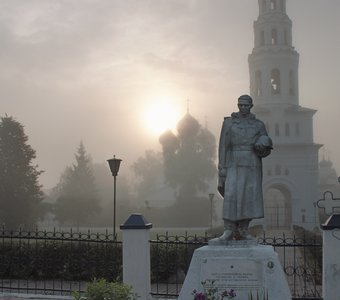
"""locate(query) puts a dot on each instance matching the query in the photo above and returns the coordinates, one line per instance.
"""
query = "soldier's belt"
(242, 148)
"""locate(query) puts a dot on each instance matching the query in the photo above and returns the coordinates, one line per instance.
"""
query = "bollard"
(136, 255)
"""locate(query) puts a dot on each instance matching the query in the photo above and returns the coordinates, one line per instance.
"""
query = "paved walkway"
(22, 296)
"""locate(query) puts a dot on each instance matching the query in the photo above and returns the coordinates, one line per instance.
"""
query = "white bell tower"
(290, 173)
(274, 60)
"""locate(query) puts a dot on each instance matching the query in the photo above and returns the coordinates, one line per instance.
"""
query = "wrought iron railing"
(52, 262)
(300, 257)
(170, 261)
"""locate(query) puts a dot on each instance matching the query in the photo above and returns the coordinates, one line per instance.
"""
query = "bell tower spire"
(273, 63)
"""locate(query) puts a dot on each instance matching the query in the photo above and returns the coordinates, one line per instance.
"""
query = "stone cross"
(328, 202)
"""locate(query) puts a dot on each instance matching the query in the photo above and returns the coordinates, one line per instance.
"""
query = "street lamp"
(114, 164)
(211, 197)
(315, 220)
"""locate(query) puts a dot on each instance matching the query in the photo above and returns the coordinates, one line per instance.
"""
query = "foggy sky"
(75, 70)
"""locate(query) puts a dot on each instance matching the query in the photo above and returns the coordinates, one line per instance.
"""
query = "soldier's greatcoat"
(240, 168)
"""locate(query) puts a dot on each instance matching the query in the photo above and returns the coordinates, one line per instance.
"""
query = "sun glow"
(160, 115)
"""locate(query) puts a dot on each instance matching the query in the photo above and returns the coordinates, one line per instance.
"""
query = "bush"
(102, 289)
(64, 259)
(313, 253)
(172, 259)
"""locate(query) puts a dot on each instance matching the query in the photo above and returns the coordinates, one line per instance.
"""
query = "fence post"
(136, 255)
(331, 262)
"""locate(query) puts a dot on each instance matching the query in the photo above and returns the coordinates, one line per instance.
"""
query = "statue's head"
(245, 103)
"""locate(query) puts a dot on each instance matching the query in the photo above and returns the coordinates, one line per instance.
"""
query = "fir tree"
(78, 197)
(20, 191)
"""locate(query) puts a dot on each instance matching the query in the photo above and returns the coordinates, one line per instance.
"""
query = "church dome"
(188, 126)
(325, 164)
(168, 140)
(327, 174)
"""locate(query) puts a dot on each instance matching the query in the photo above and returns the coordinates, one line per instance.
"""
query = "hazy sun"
(160, 115)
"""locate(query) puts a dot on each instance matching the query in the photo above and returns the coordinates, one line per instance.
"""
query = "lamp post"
(211, 197)
(315, 220)
(114, 164)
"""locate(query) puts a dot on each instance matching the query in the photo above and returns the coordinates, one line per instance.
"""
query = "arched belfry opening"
(274, 36)
(291, 83)
(258, 83)
(275, 82)
(285, 37)
(273, 4)
(278, 207)
(262, 41)
(282, 5)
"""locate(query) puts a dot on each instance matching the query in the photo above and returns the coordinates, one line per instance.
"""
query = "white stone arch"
(278, 203)
(280, 181)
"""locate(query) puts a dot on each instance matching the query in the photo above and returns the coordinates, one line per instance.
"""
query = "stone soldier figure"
(243, 143)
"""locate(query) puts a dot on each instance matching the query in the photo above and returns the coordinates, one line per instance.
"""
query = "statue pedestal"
(244, 267)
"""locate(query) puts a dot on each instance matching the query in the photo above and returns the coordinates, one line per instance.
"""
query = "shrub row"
(60, 260)
(84, 261)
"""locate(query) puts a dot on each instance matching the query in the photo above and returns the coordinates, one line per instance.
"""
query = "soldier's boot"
(229, 229)
(243, 229)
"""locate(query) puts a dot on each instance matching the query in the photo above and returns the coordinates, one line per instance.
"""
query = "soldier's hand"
(222, 172)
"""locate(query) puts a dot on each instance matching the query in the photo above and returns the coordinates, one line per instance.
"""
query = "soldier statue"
(243, 143)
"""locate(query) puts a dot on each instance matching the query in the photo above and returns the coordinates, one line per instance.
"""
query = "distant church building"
(328, 178)
(290, 173)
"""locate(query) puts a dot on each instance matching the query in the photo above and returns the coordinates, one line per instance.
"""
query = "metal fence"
(51, 262)
(170, 261)
(300, 257)
(57, 263)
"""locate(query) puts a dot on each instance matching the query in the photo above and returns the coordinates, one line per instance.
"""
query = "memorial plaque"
(253, 270)
(238, 274)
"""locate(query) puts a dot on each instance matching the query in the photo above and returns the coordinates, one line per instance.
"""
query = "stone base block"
(244, 268)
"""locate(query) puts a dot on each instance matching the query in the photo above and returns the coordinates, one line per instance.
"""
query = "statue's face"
(244, 107)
